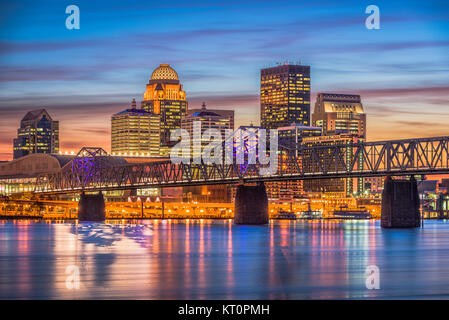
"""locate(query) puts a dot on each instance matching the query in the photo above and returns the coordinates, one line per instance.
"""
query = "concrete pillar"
(251, 205)
(91, 207)
(400, 204)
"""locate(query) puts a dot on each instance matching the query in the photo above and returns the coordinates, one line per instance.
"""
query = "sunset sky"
(84, 76)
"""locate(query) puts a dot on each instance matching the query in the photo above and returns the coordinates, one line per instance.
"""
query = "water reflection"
(214, 259)
(104, 235)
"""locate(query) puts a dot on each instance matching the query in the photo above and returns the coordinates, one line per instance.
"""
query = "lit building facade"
(38, 133)
(165, 97)
(284, 96)
(338, 187)
(131, 134)
(374, 184)
(339, 113)
(19, 175)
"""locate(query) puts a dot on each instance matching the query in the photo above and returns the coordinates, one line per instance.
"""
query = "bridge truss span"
(99, 171)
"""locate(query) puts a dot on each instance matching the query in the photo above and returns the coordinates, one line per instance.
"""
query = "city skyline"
(399, 70)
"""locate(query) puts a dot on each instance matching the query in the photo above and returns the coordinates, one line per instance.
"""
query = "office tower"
(165, 97)
(38, 133)
(209, 120)
(284, 96)
(336, 187)
(339, 113)
(133, 132)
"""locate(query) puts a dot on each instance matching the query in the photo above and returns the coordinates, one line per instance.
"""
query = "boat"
(310, 214)
(346, 213)
(284, 215)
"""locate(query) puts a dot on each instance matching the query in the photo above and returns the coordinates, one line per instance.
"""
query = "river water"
(215, 259)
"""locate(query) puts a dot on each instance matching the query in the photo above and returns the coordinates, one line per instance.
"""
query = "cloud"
(19, 73)
(434, 125)
(376, 92)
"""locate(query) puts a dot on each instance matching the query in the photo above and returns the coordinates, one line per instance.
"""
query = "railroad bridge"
(94, 170)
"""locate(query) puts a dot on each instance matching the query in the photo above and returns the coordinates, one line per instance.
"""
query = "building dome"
(164, 72)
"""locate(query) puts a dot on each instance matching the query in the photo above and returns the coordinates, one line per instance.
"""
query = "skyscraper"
(209, 120)
(284, 96)
(130, 132)
(165, 97)
(339, 113)
(38, 133)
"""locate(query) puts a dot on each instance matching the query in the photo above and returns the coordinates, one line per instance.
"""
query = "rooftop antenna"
(133, 104)
(203, 106)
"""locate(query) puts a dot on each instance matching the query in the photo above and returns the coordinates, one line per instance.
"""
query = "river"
(215, 259)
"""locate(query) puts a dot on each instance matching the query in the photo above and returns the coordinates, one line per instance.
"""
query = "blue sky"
(218, 48)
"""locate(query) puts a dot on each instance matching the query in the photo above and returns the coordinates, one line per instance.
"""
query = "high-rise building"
(284, 96)
(338, 186)
(38, 133)
(135, 132)
(339, 113)
(209, 120)
(165, 97)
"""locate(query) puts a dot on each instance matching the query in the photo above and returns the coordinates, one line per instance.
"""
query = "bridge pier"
(91, 207)
(251, 204)
(400, 204)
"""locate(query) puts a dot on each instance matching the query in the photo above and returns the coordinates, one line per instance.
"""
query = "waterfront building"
(19, 175)
(338, 187)
(135, 132)
(165, 97)
(38, 133)
(284, 96)
(339, 113)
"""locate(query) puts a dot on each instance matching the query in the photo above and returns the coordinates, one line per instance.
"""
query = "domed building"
(165, 97)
